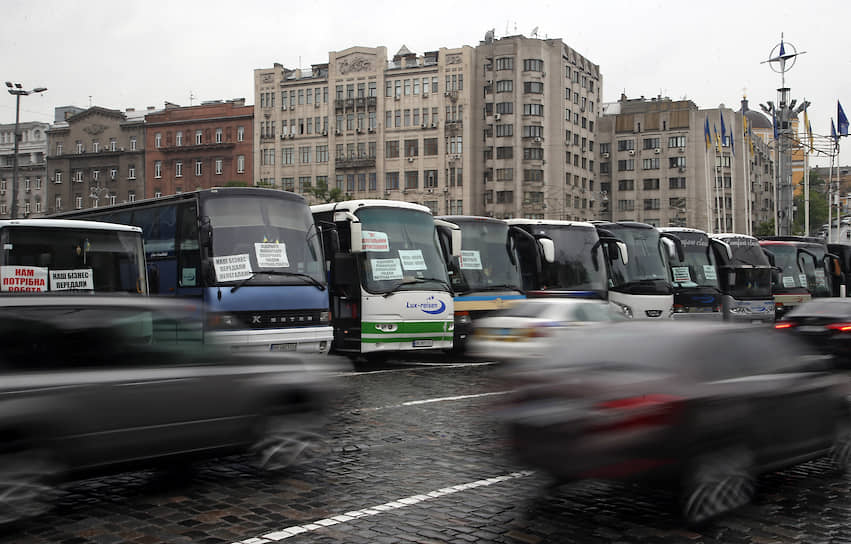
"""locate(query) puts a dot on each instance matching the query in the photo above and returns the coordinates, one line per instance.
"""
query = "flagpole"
(830, 201)
(775, 172)
(733, 174)
(708, 198)
(746, 159)
(715, 170)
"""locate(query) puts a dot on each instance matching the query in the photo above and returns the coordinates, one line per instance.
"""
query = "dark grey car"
(703, 408)
(96, 383)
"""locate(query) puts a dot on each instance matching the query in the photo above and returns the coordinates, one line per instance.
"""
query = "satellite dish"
(535, 32)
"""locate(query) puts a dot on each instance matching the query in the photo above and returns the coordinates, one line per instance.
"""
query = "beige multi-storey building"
(32, 169)
(657, 167)
(502, 129)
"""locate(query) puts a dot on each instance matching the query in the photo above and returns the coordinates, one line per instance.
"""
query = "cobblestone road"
(414, 457)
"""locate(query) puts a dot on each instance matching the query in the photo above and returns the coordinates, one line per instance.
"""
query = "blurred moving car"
(101, 383)
(825, 323)
(701, 407)
(531, 328)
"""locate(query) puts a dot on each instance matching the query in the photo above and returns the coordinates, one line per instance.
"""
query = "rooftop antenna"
(191, 97)
(90, 101)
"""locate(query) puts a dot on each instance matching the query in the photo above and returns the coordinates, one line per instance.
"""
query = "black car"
(90, 384)
(825, 323)
(699, 408)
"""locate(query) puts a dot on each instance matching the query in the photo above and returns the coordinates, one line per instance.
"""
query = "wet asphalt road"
(414, 456)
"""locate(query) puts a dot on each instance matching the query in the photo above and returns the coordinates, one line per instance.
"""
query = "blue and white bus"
(252, 256)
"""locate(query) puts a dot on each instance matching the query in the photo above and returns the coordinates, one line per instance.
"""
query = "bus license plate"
(423, 343)
(284, 347)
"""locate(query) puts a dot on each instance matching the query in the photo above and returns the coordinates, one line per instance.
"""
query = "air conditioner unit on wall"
(410, 159)
(497, 117)
(605, 155)
(537, 140)
(657, 151)
(632, 152)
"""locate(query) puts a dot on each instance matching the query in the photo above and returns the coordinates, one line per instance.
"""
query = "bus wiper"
(417, 280)
(307, 277)
(501, 287)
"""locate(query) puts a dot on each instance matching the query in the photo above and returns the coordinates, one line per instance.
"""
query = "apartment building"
(198, 147)
(502, 129)
(656, 167)
(32, 169)
(95, 157)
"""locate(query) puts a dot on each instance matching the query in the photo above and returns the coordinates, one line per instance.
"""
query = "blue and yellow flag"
(717, 138)
(723, 128)
(841, 120)
(706, 136)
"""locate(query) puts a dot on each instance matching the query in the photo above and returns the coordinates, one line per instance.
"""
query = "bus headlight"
(624, 309)
(324, 317)
(222, 321)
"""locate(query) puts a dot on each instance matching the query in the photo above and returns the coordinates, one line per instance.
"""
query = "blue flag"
(732, 145)
(841, 120)
(782, 48)
(706, 136)
(723, 129)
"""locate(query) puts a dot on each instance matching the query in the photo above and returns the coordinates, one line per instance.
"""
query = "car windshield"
(484, 261)
(646, 263)
(697, 269)
(252, 234)
(824, 308)
(36, 259)
(401, 250)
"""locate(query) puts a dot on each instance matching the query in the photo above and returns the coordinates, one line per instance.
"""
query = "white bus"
(62, 256)
(389, 284)
(640, 288)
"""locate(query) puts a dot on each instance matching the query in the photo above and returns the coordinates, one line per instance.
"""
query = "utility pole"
(18, 91)
(781, 59)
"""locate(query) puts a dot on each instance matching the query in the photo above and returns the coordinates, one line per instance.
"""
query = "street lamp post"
(18, 91)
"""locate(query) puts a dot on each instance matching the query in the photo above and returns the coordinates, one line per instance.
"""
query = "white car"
(529, 329)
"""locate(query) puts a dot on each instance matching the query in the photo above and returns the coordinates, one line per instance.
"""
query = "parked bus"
(252, 256)
(745, 278)
(560, 258)
(61, 255)
(640, 287)
(697, 291)
(390, 289)
(486, 276)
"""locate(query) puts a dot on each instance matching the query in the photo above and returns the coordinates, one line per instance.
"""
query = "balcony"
(354, 163)
(452, 126)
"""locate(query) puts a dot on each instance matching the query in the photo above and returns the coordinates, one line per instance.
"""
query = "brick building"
(198, 147)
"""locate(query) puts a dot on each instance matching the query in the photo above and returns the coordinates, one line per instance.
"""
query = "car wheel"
(287, 440)
(26, 484)
(716, 483)
(840, 452)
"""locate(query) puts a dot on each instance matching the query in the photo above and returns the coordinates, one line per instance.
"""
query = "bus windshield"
(37, 259)
(750, 282)
(645, 271)
(401, 250)
(484, 263)
(254, 234)
(573, 267)
(698, 268)
(789, 276)
(746, 251)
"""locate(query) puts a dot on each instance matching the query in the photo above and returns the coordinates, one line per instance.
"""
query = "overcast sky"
(121, 55)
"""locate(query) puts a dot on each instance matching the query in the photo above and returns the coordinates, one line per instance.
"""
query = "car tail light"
(679, 309)
(640, 411)
(784, 325)
(841, 327)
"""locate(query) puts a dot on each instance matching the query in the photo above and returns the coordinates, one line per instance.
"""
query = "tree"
(322, 193)
(818, 207)
(766, 228)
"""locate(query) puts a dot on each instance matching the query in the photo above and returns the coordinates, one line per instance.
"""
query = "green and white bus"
(389, 286)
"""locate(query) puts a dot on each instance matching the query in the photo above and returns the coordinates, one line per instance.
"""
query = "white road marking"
(429, 401)
(409, 367)
(294, 530)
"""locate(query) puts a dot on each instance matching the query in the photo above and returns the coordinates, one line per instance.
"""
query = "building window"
(59, 148)
(38, 207)
(131, 172)
(240, 164)
(504, 129)
(95, 176)
(505, 63)
(626, 185)
(178, 169)
(533, 131)
(505, 174)
(412, 179)
(651, 143)
(412, 148)
(178, 138)
(391, 149)
(676, 183)
(113, 173)
(391, 181)
(198, 167)
(651, 203)
(78, 202)
(132, 143)
(505, 86)
(650, 164)
(37, 183)
(676, 141)
(303, 183)
(218, 166)
(288, 155)
(651, 184)
(533, 109)
(533, 87)
(507, 152)
(533, 175)
(504, 197)
(677, 162)
(626, 205)
(304, 154)
(95, 146)
(219, 135)
(58, 203)
(626, 145)
(199, 137)
(158, 169)
(240, 134)
(626, 165)
(531, 153)
(158, 140)
(533, 65)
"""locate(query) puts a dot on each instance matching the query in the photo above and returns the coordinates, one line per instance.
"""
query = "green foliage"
(818, 207)
(766, 228)
(323, 194)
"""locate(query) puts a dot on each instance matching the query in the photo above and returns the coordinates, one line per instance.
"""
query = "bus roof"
(521, 221)
(470, 219)
(354, 205)
(682, 229)
(67, 224)
(628, 224)
(731, 235)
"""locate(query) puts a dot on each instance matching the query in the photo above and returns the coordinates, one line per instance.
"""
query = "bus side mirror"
(770, 256)
(456, 243)
(723, 248)
(206, 232)
(675, 246)
(622, 252)
(356, 237)
(833, 266)
(548, 249)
